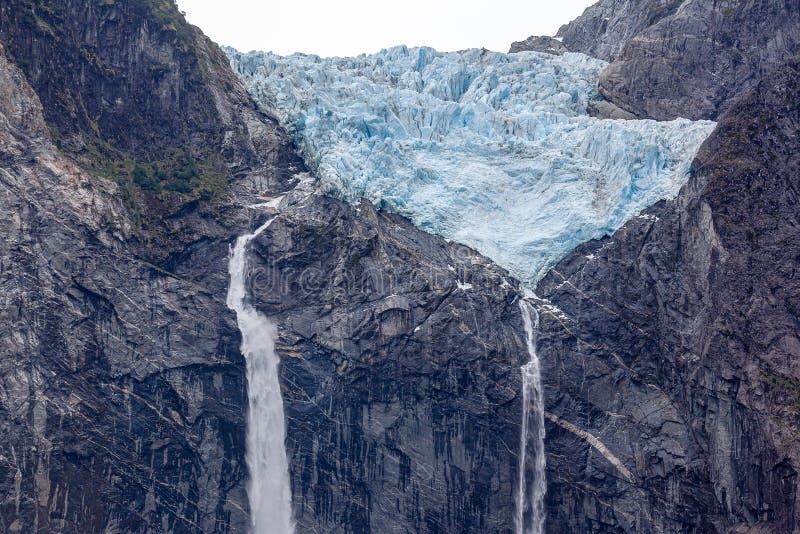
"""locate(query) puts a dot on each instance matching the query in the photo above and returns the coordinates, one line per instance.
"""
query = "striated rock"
(695, 62)
(131, 91)
(684, 58)
(122, 389)
(669, 351)
(675, 345)
(604, 28)
(548, 45)
(118, 379)
(117, 79)
(401, 358)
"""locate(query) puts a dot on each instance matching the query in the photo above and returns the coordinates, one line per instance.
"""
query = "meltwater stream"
(268, 489)
(530, 493)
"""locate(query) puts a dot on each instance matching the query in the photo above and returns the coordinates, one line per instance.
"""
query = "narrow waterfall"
(268, 489)
(530, 493)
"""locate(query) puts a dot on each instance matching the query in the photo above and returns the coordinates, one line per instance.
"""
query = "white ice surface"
(492, 150)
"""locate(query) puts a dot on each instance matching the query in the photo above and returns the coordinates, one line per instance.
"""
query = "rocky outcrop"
(675, 346)
(121, 383)
(118, 80)
(133, 92)
(695, 62)
(544, 44)
(684, 58)
(604, 28)
(669, 351)
(119, 379)
(401, 358)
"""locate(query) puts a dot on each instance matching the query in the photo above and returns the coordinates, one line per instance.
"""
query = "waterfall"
(530, 493)
(268, 489)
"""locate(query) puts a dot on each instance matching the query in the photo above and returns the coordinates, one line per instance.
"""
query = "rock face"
(544, 44)
(121, 384)
(695, 62)
(122, 388)
(121, 79)
(133, 92)
(675, 345)
(401, 371)
(606, 26)
(119, 378)
(683, 58)
(670, 351)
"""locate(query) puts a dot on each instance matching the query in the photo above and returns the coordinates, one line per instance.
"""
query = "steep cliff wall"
(401, 358)
(675, 343)
(682, 58)
(122, 389)
(695, 62)
(122, 382)
(120, 378)
(604, 28)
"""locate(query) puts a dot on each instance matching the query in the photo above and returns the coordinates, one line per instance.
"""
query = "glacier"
(496, 151)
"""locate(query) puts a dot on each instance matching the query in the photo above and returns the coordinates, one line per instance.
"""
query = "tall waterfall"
(530, 493)
(268, 489)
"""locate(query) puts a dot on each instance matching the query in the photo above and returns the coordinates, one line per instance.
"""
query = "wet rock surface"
(675, 344)
(669, 351)
(122, 388)
(401, 358)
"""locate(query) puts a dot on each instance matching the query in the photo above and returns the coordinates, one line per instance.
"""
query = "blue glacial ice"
(492, 150)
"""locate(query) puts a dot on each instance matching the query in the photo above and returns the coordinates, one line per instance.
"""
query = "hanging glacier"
(492, 150)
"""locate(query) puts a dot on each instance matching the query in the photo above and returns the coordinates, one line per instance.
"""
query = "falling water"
(530, 493)
(268, 489)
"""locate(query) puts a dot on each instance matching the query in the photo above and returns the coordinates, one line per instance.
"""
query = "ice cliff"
(492, 150)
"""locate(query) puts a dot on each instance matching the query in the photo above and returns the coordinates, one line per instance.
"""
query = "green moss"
(725, 329)
(658, 12)
(785, 384)
(166, 15)
(156, 177)
(180, 172)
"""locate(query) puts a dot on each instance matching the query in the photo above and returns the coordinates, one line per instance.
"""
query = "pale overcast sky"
(350, 27)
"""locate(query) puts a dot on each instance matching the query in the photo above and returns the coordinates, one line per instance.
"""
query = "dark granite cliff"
(130, 82)
(676, 344)
(128, 152)
(683, 58)
(695, 62)
(401, 367)
(120, 377)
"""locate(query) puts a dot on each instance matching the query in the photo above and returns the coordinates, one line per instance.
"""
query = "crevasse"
(492, 150)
